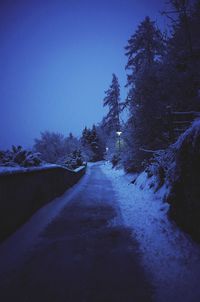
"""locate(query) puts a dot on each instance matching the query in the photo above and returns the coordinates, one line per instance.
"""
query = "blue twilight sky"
(57, 58)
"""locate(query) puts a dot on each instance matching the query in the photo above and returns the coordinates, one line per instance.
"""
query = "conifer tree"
(144, 47)
(95, 145)
(92, 146)
(144, 52)
(180, 74)
(112, 101)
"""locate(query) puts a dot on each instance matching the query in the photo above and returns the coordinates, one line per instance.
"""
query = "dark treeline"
(162, 72)
(71, 151)
(163, 76)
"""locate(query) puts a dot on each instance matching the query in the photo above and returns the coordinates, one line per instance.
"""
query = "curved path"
(85, 253)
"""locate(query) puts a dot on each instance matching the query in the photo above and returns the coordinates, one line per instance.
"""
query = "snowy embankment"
(171, 258)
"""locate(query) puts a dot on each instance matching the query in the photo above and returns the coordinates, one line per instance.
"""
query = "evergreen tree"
(84, 137)
(112, 101)
(144, 52)
(95, 145)
(71, 143)
(92, 146)
(144, 47)
(180, 75)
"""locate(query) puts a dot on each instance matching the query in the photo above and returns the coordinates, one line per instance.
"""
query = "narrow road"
(85, 254)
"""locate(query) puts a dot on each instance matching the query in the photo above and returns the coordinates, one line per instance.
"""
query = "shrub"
(73, 160)
(19, 157)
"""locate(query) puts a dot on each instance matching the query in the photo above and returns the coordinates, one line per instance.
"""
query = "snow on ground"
(171, 258)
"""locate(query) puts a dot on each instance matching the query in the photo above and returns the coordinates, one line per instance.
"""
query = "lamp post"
(119, 134)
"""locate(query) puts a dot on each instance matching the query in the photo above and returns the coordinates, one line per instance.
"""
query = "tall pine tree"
(144, 47)
(144, 51)
(180, 74)
(112, 101)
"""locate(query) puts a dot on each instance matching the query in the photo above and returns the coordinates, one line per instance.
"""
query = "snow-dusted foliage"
(144, 128)
(160, 165)
(178, 167)
(72, 160)
(183, 178)
(111, 124)
(144, 46)
(51, 146)
(92, 145)
(162, 71)
(54, 146)
(181, 68)
(19, 157)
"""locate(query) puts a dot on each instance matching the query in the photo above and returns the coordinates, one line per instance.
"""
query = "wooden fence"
(178, 122)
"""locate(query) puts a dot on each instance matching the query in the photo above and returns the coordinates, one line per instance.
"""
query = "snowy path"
(171, 258)
(75, 249)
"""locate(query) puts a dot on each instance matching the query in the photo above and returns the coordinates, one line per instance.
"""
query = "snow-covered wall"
(24, 191)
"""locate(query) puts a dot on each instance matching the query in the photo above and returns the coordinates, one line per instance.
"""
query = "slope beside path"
(169, 255)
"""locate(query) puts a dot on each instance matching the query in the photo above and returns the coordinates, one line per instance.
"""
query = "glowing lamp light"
(119, 133)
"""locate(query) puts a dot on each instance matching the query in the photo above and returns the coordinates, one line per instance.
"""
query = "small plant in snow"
(160, 165)
(19, 157)
(73, 160)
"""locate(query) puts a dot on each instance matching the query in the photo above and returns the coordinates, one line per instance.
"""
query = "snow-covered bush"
(183, 177)
(179, 168)
(19, 157)
(72, 161)
(51, 146)
(160, 164)
(54, 146)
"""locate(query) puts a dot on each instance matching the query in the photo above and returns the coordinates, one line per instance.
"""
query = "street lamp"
(119, 134)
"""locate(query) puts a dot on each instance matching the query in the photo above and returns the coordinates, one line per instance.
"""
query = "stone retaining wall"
(23, 192)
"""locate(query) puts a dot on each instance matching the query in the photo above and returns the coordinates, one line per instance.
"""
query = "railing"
(178, 122)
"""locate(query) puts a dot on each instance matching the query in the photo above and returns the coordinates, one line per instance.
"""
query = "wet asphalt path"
(84, 255)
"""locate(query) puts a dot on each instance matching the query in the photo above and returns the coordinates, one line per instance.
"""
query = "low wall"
(23, 192)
